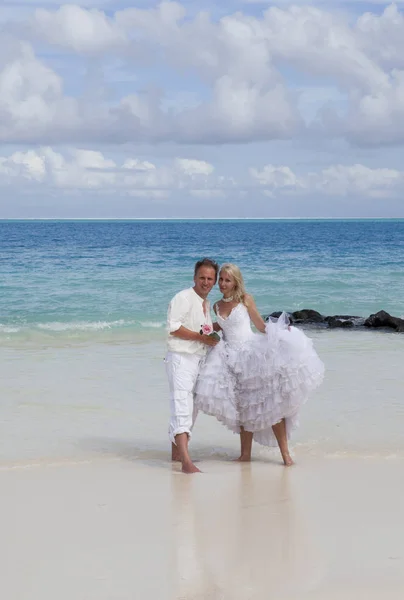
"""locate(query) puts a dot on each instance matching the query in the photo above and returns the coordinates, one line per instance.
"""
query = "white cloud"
(305, 80)
(277, 178)
(321, 44)
(194, 167)
(231, 56)
(32, 103)
(238, 60)
(336, 180)
(382, 36)
(82, 170)
(77, 29)
(78, 170)
(24, 165)
(372, 119)
(138, 165)
(341, 180)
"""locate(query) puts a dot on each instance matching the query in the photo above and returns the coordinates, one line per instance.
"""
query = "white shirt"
(186, 309)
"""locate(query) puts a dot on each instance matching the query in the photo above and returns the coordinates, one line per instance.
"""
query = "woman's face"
(227, 283)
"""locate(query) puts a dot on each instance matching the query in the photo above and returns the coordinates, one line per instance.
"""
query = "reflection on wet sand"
(238, 534)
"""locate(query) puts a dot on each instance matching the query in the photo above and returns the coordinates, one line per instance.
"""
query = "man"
(188, 317)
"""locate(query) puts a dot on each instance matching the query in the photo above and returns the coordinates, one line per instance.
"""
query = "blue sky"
(161, 109)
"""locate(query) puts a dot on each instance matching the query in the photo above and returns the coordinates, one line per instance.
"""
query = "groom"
(188, 316)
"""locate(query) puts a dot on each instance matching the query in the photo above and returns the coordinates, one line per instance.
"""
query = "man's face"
(204, 279)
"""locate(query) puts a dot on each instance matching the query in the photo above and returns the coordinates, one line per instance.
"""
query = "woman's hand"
(209, 340)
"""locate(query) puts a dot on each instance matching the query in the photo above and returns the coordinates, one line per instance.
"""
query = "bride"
(255, 384)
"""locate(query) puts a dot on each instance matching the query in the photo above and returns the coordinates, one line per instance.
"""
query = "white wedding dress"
(255, 380)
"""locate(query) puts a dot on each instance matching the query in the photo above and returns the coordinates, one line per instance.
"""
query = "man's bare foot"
(189, 468)
(287, 460)
(243, 458)
(175, 455)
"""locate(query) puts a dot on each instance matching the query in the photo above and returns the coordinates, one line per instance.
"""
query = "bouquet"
(208, 330)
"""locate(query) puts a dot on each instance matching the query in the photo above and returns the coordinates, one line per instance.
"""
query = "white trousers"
(182, 372)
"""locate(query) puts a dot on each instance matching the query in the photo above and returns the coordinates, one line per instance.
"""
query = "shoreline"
(211, 459)
(29, 338)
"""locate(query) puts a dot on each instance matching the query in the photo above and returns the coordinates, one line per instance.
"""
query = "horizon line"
(197, 218)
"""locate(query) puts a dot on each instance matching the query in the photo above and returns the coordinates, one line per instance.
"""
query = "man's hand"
(186, 334)
(209, 340)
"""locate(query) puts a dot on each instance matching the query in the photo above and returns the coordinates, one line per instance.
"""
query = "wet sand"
(119, 529)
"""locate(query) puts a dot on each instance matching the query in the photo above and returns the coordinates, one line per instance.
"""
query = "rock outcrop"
(310, 317)
(385, 320)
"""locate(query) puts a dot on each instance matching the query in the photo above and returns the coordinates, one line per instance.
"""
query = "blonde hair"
(239, 292)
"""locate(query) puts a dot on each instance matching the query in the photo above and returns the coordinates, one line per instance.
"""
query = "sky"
(230, 109)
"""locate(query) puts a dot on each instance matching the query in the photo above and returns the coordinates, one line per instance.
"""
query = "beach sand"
(92, 509)
(124, 528)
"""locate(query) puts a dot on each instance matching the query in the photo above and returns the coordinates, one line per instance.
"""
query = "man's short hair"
(206, 262)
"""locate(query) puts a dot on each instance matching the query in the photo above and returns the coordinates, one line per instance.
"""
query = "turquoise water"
(114, 279)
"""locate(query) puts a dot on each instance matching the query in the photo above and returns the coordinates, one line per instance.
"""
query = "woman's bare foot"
(189, 468)
(246, 440)
(287, 460)
(279, 430)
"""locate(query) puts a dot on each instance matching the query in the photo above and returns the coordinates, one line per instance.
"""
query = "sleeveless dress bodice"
(237, 326)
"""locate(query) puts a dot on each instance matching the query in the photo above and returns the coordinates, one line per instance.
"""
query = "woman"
(255, 384)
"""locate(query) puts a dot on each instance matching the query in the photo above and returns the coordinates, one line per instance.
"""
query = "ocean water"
(82, 315)
(83, 280)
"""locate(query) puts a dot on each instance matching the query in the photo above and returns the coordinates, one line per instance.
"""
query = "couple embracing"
(253, 383)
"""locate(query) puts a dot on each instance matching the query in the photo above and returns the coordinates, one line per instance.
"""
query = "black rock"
(344, 321)
(307, 316)
(310, 317)
(384, 319)
(334, 322)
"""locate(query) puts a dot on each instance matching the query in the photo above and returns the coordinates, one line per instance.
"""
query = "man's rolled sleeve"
(177, 312)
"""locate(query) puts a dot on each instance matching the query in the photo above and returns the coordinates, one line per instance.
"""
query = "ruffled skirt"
(259, 381)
